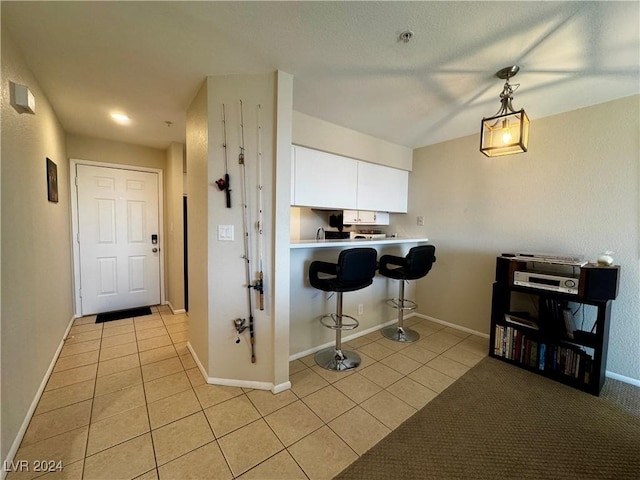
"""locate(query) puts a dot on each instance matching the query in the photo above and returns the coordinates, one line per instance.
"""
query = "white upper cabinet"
(382, 188)
(324, 180)
(365, 217)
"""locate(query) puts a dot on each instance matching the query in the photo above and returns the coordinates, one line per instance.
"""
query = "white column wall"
(225, 282)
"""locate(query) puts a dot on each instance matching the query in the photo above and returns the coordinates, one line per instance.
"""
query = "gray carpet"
(502, 422)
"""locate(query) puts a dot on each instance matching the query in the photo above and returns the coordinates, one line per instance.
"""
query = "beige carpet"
(502, 422)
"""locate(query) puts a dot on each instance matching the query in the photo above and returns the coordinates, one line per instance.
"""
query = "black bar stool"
(415, 265)
(355, 270)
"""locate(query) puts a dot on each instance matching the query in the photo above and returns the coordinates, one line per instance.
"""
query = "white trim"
(197, 360)
(452, 325)
(73, 163)
(34, 404)
(230, 382)
(296, 356)
(174, 311)
(348, 338)
(622, 378)
(281, 387)
(236, 383)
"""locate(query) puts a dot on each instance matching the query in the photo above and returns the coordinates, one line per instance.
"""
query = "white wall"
(575, 191)
(319, 134)
(197, 151)
(36, 248)
(173, 225)
(225, 285)
(83, 147)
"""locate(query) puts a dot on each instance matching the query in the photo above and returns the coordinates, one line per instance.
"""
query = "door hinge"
(80, 292)
(76, 181)
(78, 237)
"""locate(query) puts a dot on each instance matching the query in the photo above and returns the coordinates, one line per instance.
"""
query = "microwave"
(367, 235)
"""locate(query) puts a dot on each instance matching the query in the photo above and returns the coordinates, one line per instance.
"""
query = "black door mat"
(120, 314)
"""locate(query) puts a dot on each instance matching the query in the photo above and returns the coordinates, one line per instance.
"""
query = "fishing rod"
(245, 224)
(224, 184)
(259, 225)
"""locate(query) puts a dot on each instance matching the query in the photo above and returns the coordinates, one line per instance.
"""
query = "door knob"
(154, 250)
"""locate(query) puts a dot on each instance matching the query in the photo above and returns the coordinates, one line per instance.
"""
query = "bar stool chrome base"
(337, 360)
(400, 334)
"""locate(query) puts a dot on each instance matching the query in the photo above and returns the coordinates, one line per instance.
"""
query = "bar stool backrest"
(416, 264)
(420, 259)
(357, 265)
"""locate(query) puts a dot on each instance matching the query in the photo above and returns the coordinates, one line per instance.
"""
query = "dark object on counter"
(416, 264)
(355, 270)
(333, 235)
(335, 221)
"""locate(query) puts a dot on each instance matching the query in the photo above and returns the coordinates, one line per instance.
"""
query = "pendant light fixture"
(506, 132)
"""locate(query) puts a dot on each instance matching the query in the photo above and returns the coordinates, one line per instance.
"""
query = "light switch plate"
(225, 233)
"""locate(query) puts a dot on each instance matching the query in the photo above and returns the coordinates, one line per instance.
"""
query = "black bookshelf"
(547, 340)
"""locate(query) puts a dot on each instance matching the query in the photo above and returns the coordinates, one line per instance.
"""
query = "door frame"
(73, 162)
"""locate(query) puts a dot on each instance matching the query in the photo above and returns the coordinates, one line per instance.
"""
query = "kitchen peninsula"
(368, 305)
(356, 242)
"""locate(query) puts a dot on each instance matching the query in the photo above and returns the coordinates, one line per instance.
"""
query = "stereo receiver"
(543, 281)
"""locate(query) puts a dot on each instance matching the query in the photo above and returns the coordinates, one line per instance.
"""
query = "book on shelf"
(543, 353)
(516, 345)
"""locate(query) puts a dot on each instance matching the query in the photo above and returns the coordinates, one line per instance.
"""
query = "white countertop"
(355, 242)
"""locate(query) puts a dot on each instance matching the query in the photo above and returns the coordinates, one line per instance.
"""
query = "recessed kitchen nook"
(338, 203)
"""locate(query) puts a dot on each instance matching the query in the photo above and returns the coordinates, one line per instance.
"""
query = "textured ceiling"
(149, 59)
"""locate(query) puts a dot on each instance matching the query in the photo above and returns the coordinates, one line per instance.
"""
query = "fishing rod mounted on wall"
(242, 324)
(224, 184)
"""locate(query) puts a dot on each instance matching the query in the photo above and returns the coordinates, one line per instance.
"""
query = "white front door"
(118, 238)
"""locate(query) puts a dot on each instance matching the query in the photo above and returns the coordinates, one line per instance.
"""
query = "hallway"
(126, 400)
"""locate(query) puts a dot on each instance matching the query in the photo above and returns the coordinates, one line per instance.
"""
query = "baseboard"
(227, 382)
(452, 325)
(622, 378)
(348, 338)
(345, 339)
(281, 387)
(175, 311)
(230, 382)
(197, 360)
(34, 404)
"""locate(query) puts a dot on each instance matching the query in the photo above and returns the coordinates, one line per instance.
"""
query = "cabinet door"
(382, 188)
(365, 217)
(350, 217)
(324, 180)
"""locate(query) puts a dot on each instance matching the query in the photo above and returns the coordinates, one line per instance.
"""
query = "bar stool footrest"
(337, 324)
(408, 304)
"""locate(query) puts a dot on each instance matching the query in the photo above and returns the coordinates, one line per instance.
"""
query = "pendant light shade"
(507, 132)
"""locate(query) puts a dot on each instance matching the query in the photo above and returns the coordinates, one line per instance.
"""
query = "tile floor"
(126, 400)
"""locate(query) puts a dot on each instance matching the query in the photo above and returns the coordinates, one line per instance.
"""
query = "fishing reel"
(222, 184)
(239, 324)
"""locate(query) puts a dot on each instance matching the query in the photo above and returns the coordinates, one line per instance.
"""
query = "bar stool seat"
(354, 270)
(416, 264)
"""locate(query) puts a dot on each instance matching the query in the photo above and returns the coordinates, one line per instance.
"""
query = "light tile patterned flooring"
(126, 400)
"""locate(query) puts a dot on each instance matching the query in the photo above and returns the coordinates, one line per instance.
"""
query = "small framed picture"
(52, 181)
